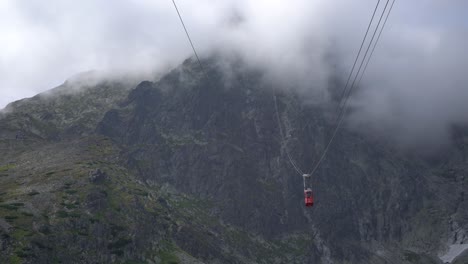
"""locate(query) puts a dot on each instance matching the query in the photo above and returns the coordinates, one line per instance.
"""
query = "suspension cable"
(345, 94)
(375, 44)
(190, 40)
(358, 54)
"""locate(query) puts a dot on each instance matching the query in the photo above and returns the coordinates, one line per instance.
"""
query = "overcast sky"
(416, 82)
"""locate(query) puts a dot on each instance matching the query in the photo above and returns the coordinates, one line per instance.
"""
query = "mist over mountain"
(415, 83)
(147, 155)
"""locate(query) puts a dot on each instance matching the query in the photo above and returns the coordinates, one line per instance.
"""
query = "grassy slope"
(50, 210)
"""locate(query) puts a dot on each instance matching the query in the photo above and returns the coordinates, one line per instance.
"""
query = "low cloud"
(415, 84)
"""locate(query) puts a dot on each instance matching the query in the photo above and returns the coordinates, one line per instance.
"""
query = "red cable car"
(308, 197)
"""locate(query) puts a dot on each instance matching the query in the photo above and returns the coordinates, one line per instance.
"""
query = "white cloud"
(416, 80)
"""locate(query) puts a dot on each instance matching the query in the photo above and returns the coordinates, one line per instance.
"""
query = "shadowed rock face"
(193, 168)
(221, 143)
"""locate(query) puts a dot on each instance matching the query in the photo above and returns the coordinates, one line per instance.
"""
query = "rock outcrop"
(191, 169)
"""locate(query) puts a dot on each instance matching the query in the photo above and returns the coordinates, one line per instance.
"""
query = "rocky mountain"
(192, 168)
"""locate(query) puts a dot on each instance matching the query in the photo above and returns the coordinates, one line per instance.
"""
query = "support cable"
(344, 108)
(189, 39)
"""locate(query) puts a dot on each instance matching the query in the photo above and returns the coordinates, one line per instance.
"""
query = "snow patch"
(453, 252)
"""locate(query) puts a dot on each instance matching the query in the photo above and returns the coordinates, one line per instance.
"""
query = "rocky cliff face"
(193, 168)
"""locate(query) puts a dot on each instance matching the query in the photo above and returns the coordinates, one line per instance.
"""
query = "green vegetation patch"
(10, 218)
(11, 206)
(74, 214)
(140, 192)
(168, 252)
(23, 253)
(168, 257)
(65, 214)
(20, 234)
(71, 191)
(7, 167)
(8, 207)
(70, 206)
(15, 260)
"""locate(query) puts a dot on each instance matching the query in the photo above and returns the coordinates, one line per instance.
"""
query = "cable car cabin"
(308, 197)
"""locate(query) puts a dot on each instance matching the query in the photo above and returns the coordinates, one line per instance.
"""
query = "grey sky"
(416, 83)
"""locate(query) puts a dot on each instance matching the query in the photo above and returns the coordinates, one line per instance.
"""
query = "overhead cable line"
(375, 44)
(344, 93)
(298, 170)
(343, 109)
(189, 39)
(358, 54)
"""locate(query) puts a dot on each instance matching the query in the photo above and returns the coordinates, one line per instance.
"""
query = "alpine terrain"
(192, 168)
